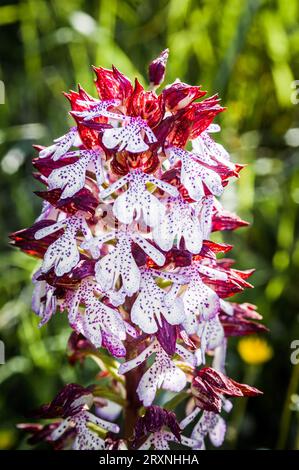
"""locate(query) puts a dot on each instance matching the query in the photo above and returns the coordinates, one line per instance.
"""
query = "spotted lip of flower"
(209, 385)
(150, 306)
(121, 263)
(162, 374)
(182, 221)
(200, 301)
(71, 178)
(100, 324)
(61, 145)
(98, 109)
(129, 137)
(137, 200)
(210, 424)
(211, 334)
(213, 154)
(195, 176)
(63, 253)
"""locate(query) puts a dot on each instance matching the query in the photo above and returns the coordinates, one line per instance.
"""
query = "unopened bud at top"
(156, 69)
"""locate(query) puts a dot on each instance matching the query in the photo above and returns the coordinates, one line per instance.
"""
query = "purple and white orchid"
(125, 249)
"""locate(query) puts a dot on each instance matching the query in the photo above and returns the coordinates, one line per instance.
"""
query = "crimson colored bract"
(130, 201)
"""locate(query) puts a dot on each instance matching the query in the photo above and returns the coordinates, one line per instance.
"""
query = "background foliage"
(248, 51)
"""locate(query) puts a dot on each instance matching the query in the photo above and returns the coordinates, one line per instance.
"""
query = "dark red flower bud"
(156, 69)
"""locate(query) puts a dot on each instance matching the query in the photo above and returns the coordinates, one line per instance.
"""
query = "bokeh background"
(248, 52)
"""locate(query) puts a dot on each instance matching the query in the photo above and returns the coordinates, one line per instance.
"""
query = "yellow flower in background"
(254, 350)
(7, 439)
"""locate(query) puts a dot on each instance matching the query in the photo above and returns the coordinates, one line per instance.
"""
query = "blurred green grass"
(248, 51)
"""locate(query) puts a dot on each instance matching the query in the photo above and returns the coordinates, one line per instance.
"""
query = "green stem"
(133, 403)
(286, 413)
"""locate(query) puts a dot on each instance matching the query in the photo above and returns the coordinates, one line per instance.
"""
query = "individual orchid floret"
(164, 373)
(130, 137)
(137, 199)
(151, 428)
(63, 254)
(150, 306)
(61, 145)
(180, 95)
(205, 147)
(71, 178)
(100, 324)
(225, 220)
(210, 424)
(98, 109)
(121, 263)
(240, 319)
(73, 404)
(209, 385)
(112, 84)
(194, 175)
(200, 301)
(182, 220)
